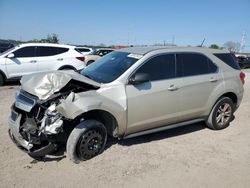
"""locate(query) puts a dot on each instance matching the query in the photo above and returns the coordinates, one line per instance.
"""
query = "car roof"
(146, 49)
(83, 47)
(45, 44)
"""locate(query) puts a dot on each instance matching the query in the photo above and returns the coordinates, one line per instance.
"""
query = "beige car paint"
(154, 104)
(91, 58)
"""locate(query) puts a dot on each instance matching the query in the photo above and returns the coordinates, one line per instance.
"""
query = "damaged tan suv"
(127, 93)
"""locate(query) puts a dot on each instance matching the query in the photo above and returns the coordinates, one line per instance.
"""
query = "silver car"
(127, 93)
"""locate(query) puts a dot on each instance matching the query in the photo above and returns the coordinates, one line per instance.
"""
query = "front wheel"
(221, 114)
(87, 140)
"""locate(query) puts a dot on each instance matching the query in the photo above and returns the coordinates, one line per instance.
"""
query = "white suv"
(38, 57)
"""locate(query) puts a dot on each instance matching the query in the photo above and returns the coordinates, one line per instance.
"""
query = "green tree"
(52, 38)
(214, 46)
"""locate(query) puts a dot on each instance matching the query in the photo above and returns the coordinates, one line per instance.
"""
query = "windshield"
(7, 51)
(110, 67)
(93, 52)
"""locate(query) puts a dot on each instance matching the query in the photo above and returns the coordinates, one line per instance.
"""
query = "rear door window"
(49, 51)
(160, 67)
(62, 50)
(191, 64)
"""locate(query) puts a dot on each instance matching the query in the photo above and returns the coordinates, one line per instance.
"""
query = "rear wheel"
(221, 114)
(87, 140)
(67, 68)
(90, 62)
(1, 80)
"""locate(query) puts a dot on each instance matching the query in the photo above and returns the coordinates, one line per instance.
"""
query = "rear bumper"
(239, 97)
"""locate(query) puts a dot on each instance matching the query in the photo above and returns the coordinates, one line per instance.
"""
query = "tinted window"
(229, 59)
(190, 64)
(49, 51)
(83, 49)
(211, 66)
(62, 50)
(159, 67)
(25, 52)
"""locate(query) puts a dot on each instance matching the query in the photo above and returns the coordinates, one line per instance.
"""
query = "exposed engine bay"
(42, 128)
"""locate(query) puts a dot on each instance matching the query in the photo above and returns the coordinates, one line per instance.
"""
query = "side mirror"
(11, 55)
(139, 78)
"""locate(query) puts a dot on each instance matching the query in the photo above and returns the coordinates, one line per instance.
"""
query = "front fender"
(78, 103)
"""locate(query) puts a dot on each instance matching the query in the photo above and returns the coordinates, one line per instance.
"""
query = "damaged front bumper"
(14, 126)
(24, 145)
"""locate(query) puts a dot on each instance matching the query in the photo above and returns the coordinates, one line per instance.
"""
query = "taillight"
(242, 77)
(80, 58)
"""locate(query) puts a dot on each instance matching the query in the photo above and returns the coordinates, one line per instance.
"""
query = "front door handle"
(33, 61)
(212, 79)
(173, 88)
(59, 59)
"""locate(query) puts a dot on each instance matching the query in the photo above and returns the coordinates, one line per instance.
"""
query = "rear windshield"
(229, 59)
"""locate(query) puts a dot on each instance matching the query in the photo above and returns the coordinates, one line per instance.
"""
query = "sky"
(127, 22)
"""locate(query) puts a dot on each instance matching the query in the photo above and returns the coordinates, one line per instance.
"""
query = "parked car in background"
(84, 50)
(5, 46)
(127, 93)
(38, 57)
(97, 54)
(244, 62)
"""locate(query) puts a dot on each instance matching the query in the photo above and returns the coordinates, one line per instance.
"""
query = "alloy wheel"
(223, 114)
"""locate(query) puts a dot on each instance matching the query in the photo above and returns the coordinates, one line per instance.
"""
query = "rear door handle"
(213, 79)
(173, 88)
(59, 59)
(33, 61)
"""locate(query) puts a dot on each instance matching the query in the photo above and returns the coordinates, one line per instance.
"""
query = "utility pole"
(173, 40)
(203, 42)
(243, 41)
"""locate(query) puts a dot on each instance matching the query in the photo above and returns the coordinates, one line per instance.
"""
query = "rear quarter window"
(229, 59)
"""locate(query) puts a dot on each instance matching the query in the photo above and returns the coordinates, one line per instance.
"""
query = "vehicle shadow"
(56, 156)
(157, 136)
(12, 83)
(60, 154)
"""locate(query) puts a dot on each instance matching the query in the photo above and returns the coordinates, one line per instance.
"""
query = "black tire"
(87, 140)
(221, 114)
(1, 80)
(67, 68)
(90, 62)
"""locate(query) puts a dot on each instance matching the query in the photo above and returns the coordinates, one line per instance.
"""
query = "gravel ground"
(191, 156)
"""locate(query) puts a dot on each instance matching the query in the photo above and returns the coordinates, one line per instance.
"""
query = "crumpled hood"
(45, 84)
